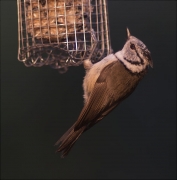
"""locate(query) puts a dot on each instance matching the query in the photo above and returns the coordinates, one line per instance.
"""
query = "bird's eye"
(132, 46)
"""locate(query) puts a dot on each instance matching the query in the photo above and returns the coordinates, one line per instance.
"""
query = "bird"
(106, 84)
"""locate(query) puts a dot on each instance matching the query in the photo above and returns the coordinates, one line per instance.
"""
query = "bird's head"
(135, 55)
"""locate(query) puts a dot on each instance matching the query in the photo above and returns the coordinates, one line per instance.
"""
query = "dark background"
(135, 141)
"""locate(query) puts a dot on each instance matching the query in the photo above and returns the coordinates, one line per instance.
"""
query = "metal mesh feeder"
(62, 33)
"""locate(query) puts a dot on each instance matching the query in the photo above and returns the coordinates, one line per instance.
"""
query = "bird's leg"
(87, 62)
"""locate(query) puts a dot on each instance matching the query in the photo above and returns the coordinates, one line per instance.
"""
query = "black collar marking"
(138, 63)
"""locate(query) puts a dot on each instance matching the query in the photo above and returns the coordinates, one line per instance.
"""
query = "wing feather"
(100, 102)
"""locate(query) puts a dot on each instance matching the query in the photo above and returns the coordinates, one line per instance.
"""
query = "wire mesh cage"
(62, 33)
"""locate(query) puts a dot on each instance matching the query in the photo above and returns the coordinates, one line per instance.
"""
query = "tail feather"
(65, 135)
(68, 140)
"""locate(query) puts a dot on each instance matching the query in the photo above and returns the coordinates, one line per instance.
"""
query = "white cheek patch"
(132, 67)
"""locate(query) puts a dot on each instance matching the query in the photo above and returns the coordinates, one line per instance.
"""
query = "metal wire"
(62, 33)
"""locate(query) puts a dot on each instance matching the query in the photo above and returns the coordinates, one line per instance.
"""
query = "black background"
(135, 141)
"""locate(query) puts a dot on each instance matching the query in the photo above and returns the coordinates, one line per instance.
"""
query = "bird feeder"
(62, 33)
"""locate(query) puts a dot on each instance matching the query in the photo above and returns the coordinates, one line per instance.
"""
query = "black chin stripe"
(131, 62)
(134, 62)
(142, 62)
(134, 73)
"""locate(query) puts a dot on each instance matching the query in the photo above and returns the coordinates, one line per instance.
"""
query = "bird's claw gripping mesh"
(62, 33)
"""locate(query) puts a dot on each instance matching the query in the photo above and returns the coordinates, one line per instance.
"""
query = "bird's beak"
(128, 33)
(147, 54)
